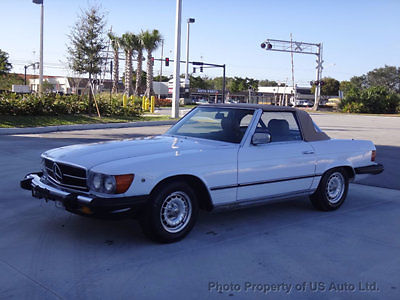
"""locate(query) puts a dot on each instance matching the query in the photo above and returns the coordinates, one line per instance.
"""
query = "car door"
(285, 166)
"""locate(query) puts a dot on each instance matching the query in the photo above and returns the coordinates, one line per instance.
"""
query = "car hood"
(90, 155)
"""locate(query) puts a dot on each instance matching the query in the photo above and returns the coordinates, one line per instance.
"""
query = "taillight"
(373, 155)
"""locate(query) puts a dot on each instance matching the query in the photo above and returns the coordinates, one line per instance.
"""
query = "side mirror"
(260, 138)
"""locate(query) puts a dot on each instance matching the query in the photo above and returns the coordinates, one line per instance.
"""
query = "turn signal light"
(373, 155)
(123, 183)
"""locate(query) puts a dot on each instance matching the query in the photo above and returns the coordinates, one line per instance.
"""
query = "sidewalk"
(33, 130)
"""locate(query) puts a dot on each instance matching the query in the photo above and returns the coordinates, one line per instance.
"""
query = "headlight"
(110, 184)
(97, 182)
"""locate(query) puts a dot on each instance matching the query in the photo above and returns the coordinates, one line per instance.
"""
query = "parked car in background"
(301, 102)
(201, 101)
(333, 102)
(216, 157)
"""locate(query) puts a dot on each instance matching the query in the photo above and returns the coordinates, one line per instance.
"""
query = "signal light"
(321, 82)
(311, 83)
(316, 82)
(201, 69)
(167, 61)
(269, 46)
(263, 45)
(194, 70)
(152, 60)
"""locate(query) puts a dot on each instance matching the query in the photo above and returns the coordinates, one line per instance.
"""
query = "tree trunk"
(115, 72)
(128, 73)
(139, 73)
(149, 79)
(90, 104)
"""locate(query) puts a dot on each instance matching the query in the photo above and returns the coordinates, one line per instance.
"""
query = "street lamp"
(41, 45)
(177, 81)
(190, 20)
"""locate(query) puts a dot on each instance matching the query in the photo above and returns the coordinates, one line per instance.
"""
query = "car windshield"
(214, 123)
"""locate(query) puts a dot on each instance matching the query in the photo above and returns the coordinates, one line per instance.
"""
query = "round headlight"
(97, 181)
(109, 183)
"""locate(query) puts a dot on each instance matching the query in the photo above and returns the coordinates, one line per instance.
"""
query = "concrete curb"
(33, 130)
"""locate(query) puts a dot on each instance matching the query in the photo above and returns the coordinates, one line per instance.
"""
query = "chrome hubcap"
(176, 211)
(335, 187)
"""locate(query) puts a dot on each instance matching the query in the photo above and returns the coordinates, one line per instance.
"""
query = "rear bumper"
(78, 202)
(373, 169)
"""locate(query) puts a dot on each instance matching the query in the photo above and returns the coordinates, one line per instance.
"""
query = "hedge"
(376, 99)
(13, 104)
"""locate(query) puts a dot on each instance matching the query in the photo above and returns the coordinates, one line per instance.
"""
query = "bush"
(163, 102)
(12, 104)
(375, 99)
(353, 107)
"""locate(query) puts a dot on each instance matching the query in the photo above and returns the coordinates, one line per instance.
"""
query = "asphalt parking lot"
(277, 250)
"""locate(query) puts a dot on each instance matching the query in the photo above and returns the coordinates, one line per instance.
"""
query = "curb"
(33, 130)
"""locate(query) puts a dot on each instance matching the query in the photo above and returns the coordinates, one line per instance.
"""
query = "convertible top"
(306, 124)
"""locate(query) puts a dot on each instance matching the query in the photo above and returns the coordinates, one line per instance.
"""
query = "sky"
(357, 36)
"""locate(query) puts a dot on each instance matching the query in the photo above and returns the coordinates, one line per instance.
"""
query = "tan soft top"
(306, 124)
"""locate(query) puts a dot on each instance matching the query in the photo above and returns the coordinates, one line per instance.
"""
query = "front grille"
(65, 175)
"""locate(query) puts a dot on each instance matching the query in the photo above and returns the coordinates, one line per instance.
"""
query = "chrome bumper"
(41, 190)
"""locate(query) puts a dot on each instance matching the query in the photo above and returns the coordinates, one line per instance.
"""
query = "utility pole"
(189, 21)
(293, 84)
(301, 48)
(41, 45)
(161, 62)
(223, 84)
(177, 81)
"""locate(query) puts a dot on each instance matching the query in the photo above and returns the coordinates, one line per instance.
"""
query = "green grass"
(39, 121)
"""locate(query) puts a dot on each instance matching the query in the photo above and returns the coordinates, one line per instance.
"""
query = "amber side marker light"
(373, 155)
(123, 182)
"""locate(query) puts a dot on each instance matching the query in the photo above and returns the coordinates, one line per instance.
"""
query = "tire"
(332, 190)
(171, 213)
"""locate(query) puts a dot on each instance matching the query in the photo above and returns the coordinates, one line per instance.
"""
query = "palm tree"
(139, 49)
(151, 41)
(115, 44)
(128, 42)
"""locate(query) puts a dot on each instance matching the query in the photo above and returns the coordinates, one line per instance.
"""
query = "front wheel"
(332, 190)
(171, 213)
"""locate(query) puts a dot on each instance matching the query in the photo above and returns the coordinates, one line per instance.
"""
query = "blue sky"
(357, 36)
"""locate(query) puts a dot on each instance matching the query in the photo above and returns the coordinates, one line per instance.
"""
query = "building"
(71, 85)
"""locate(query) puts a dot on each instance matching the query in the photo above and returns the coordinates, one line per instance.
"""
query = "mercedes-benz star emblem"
(57, 172)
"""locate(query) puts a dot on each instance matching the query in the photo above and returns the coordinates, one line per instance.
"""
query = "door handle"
(308, 152)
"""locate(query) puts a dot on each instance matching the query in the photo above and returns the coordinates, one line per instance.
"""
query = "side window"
(282, 126)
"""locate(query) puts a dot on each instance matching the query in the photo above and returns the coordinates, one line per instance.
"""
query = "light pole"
(177, 81)
(190, 20)
(41, 45)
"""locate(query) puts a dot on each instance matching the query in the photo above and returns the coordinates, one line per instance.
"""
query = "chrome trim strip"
(64, 163)
(76, 177)
(261, 182)
(262, 200)
(76, 187)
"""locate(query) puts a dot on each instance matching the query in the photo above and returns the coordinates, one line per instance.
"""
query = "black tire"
(159, 215)
(325, 197)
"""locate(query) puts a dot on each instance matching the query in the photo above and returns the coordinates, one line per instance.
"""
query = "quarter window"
(282, 126)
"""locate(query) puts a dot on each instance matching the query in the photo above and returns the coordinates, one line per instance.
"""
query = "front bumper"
(372, 169)
(78, 202)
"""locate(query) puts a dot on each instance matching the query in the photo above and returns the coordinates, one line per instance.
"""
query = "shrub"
(375, 99)
(163, 102)
(12, 104)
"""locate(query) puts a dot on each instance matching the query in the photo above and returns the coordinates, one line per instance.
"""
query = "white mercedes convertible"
(217, 156)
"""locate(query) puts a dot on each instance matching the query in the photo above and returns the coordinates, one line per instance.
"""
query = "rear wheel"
(332, 190)
(171, 213)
